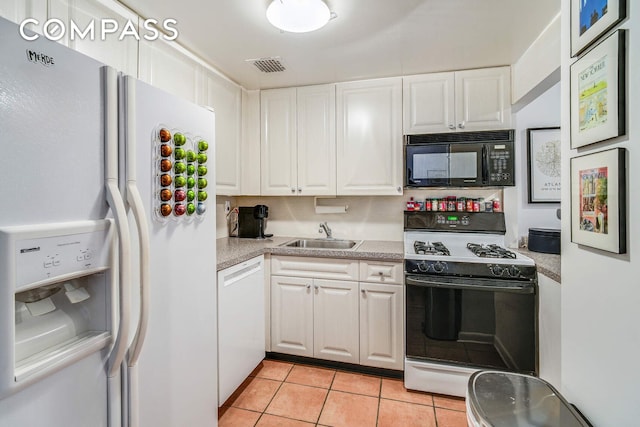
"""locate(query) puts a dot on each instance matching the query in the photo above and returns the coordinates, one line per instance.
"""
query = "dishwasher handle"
(245, 271)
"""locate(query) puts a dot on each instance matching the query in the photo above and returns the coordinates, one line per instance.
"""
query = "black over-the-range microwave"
(460, 159)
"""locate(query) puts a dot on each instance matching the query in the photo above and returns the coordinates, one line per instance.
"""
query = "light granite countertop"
(233, 250)
(547, 264)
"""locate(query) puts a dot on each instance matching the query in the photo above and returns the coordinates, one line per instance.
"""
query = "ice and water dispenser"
(56, 292)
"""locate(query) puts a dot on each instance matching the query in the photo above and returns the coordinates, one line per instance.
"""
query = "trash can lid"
(510, 399)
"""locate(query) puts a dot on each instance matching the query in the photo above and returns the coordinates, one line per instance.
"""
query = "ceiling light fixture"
(299, 16)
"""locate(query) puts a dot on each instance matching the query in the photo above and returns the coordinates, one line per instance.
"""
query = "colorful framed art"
(592, 18)
(598, 200)
(543, 164)
(598, 92)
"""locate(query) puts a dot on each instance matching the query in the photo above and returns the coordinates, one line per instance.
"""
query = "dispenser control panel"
(48, 253)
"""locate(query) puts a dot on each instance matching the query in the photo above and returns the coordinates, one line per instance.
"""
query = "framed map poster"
(592, 18)
(543, 164)
(598, 200)
(598, 92)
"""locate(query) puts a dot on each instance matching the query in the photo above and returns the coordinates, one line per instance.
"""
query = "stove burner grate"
(435, 248)
(490, 251)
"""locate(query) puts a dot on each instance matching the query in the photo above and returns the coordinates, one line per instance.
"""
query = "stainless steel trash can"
(508, 399)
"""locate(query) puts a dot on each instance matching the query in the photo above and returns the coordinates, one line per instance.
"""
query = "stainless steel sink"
(323, 244)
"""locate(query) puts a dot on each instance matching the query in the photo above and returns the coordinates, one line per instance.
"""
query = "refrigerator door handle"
(114, 199)
(135, 202)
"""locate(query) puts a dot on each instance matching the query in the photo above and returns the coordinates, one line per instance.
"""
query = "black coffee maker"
(252, 221)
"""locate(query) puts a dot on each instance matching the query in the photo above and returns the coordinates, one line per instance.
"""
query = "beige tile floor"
(291, 394)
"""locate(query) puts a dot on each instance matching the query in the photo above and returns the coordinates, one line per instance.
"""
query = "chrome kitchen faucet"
(325, 227)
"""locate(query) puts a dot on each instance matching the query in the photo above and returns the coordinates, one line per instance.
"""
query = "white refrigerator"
(107, 246)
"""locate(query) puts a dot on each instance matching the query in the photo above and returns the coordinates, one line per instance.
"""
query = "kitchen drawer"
(381, 272)
(317, 268)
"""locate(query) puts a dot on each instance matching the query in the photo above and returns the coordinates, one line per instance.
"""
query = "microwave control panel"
(500, 164)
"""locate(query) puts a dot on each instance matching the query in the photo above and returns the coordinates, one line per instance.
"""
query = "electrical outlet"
(227, 207)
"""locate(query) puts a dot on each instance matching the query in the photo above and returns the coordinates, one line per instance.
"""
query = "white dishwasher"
(241, 324)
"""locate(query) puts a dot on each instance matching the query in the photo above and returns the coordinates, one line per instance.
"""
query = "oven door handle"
(474, 284)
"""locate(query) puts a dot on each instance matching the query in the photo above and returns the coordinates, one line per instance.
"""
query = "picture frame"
(598, 200)
(543, 164)
(590, 19)
(598, 92)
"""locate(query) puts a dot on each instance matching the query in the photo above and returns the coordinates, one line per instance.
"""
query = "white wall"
(544, 111)
(600, 290)
(539, 61)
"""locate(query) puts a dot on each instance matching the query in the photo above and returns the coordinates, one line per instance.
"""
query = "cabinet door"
(120, 54)
(166, 66)
(250, 146)
(381, 325)
(369, 137)
(292, 315)
(483, 99)
(316, 112)
(429, 103)
(225, 98)
(335, 320)
(18, 10)
(278, 154)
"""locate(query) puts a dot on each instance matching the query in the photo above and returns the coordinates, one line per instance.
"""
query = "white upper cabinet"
(225, 98)
(298, 141)
(369, 137)
(167, 66)
(19, 10)
(316, 113)
(483, 99)
(468, 100)
(429, 103)
(250, 144)
(119, 54)
(278, 151)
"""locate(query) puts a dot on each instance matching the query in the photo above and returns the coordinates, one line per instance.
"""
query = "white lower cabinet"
(292, 315)
(381, 325)
(315, 318)
(335, 320)
(321, 309)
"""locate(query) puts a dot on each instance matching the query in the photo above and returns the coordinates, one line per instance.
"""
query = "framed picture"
(592, 18)
(598, 92)
(598, 200)
(543, 164)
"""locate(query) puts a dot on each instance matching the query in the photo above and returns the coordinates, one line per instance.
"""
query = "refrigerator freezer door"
(52, 171)
(177, 368)
(51, 114)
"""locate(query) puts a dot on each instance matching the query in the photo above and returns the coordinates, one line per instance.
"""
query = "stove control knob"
(514, 271)
(439, 266)
(496, 270)
(423, 266)
(465, 220)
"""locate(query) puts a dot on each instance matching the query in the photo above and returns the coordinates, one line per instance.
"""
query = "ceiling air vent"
(271, 64)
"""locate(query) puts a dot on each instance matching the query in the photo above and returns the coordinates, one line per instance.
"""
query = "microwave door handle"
(485, 164)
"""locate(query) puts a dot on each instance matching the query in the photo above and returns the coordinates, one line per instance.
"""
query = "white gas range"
(470, 303)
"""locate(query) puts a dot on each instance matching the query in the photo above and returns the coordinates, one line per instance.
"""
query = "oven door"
(484, 323)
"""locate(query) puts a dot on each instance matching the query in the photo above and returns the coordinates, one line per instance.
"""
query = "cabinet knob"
(293, 190)
(461, 125)
(364, 291)
(299, 190)
(315, 287)
(308, 286)
(399, 189)
(452, 127)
